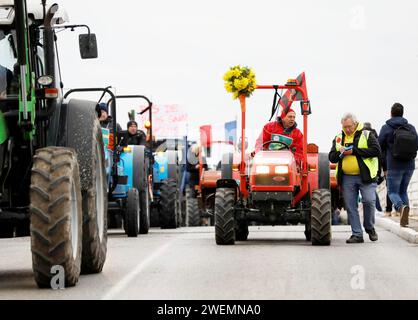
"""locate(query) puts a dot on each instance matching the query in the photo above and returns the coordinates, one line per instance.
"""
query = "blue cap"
(103, 106)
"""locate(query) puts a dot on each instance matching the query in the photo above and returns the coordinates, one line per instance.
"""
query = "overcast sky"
(359, 56)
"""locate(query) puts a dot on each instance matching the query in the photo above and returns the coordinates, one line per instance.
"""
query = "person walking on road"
(356, 152)
(399, 140)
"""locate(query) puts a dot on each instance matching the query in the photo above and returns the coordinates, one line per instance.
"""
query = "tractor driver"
(133, 136)
(284, 125)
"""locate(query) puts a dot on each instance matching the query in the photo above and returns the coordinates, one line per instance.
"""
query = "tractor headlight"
(281, 169)
(262, 170)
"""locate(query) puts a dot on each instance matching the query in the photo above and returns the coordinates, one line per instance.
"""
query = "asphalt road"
(275, 263)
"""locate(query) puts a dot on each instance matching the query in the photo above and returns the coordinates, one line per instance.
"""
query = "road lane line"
(126, 281)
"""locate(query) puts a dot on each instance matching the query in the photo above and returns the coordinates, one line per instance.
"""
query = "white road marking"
(126, 281)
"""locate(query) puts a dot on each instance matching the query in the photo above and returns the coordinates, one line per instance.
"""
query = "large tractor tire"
(193, 218)
(321, 217)
(241, 231)
(225, 216)
(145, 214)
(140, 182)
(87, 140)
(56, 215)
(132, 213)
(323, 171)
(168, 212)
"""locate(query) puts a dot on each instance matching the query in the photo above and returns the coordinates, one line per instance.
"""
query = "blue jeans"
(398, 181)
(351, 186)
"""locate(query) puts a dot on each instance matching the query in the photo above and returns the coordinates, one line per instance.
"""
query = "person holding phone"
(357, 151)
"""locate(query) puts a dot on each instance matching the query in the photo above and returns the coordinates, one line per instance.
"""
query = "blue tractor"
(130, 188)
(168, 173)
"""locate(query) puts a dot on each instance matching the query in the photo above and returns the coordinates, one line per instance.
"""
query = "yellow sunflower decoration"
(240, 80)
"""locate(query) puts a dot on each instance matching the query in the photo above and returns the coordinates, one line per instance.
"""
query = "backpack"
(404, 143)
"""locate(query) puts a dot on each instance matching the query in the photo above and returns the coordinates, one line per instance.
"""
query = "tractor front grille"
(272, 180)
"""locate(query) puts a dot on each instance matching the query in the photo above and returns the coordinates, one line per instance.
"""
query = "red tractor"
(273, 187)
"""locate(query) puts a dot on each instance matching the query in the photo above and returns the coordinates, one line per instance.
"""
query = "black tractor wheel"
(241, 231)
(132, 214)
(225, 216)
(145, 211)
(56, 215)
(321, 217)
(87, 140)
(323, 171)
(140, 182)
(168, 211)
(192, 210)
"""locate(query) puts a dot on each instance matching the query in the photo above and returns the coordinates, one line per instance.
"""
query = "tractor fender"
(77, 119)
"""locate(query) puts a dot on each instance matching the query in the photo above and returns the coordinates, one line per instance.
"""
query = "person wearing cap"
(106, 121)
(284, 125)
(133, 136)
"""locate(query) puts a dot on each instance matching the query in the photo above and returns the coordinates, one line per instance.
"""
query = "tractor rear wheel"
(132, 213)
(192, 209)
(168, 212)
(145, 211)
(321, 217)
(56, 215)
(95, 210)
(224, 216)
(140, 182)
(84, 134)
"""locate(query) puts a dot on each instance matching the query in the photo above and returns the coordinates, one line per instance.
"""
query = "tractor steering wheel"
(279, 142)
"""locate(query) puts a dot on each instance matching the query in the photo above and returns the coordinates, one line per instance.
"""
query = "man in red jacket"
(284, 125)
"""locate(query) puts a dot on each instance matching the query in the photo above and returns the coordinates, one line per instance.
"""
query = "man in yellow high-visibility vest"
(357, 151)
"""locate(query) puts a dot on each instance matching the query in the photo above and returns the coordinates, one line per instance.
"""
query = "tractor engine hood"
(273, 171)
(274, 158)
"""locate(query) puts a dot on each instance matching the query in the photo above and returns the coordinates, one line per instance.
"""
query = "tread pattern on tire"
(224, 216)
(321, 217)
(145, 211)
(132, 214)
(54, 172)
(168, 214)
(94, 248)
(192, 210)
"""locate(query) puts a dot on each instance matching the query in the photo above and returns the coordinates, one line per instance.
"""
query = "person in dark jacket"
(357, 151)
(133, 136)
(399, 172)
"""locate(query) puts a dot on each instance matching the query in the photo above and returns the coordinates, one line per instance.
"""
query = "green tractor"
(52, 170)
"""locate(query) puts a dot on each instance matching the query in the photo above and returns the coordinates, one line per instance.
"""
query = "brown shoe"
(388, 213)
(404, 216)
